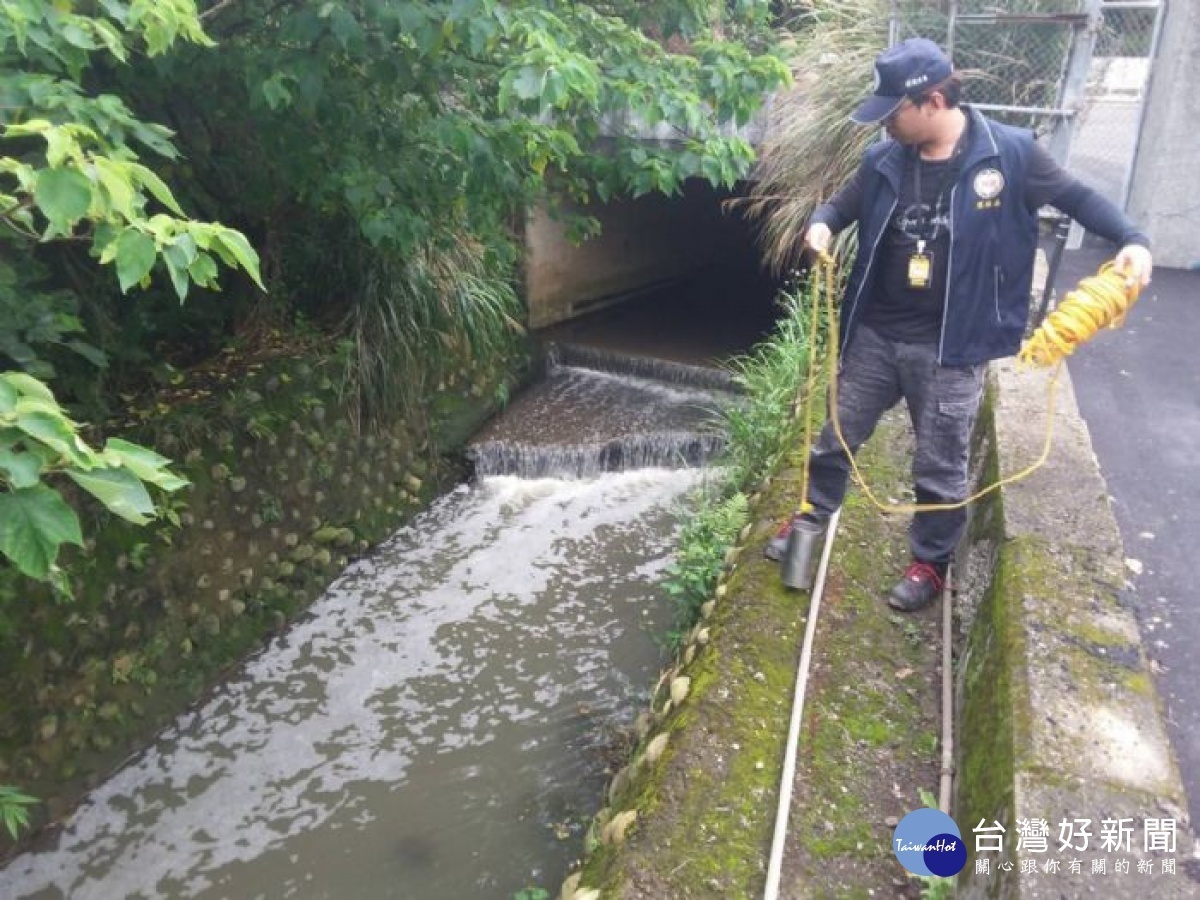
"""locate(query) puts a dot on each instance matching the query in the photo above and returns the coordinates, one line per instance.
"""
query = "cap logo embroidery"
(914, 81)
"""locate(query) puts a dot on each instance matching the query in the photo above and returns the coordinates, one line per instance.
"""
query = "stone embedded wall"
(285, 491)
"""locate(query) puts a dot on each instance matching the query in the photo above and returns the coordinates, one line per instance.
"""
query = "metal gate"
(1074, 71)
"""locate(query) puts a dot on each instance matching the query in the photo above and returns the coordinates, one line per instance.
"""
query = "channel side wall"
(1057, 716)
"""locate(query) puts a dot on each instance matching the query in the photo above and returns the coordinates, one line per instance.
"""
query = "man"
(947, 233)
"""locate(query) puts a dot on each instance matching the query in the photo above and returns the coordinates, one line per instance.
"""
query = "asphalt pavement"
(1138, 389)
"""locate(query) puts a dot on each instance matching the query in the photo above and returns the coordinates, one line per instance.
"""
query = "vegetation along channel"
(346, 513)
(437, 724)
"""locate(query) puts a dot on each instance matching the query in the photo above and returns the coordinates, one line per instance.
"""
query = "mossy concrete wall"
(1059, 717)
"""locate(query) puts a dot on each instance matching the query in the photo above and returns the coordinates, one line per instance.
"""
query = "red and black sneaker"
(920, 586)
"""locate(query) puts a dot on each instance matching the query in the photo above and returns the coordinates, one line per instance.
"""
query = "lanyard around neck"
(953, 165)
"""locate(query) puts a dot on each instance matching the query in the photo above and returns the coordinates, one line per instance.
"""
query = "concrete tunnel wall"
(645, 242)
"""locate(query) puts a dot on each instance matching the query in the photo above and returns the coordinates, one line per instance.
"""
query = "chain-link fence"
(1076, 72)
(1014, 60)
(1073, 71)
(1107, 131)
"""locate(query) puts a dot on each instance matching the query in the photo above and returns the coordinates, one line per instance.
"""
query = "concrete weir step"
(1064, 785)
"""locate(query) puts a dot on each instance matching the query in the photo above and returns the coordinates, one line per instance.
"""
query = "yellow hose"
(1099, 301)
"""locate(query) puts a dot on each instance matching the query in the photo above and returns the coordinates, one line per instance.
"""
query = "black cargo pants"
(942, 401)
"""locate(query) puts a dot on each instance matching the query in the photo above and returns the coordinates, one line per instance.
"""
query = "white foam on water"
(473, 632)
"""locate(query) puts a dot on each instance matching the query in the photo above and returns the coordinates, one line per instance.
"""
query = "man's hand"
(1135, 263)
(817, 238)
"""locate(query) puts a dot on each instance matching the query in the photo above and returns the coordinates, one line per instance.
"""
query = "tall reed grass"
(422, 318)
(812, 147)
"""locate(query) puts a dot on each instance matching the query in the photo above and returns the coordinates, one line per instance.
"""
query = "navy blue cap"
(902, 71)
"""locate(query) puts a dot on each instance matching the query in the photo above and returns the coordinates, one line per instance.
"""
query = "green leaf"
(64, 195)
(34, 523)
(178, 273)
(157, 187)
(8, 397)
(275, 91)
(53, 430)
(28, 127)
(28, 386)
(119, 490)
(114, 179)
(91, 353)
(203, 270)
(238, 247)
(21, 469)
(73, 34)
(179, 255)
(345, 28)
(144, 463)
(111, 38)
(528, 83)
(12, 808)
(135, 254)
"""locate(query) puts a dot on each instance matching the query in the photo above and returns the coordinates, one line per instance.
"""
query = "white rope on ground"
(947, 698)
(787, 779)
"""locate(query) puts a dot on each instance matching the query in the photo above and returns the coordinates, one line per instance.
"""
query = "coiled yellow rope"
(1099, 301)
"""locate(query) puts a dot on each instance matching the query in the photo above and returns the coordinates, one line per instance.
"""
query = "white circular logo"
(988, 183)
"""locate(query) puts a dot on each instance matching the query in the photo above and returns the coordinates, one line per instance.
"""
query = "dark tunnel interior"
(708, 298)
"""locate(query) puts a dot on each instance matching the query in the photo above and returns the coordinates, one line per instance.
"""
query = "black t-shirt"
(920, 223)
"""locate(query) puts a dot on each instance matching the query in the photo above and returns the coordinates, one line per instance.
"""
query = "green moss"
(987, 522)
(714, 821)
(870, 730)
(850, 840)
(719, 826)
(1090, 634)
(871, 703)
(1141, 684)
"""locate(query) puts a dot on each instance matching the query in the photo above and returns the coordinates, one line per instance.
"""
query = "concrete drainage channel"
(1064, 782)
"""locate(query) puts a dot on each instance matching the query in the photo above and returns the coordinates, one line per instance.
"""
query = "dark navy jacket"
(993, 241)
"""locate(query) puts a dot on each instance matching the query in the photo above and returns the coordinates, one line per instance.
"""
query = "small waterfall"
(648, 367)
(667, 450)
(601, 412)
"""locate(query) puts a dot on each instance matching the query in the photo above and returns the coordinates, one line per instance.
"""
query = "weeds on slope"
(761, 429)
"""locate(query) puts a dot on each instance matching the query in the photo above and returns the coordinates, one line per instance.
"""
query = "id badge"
(920, 270)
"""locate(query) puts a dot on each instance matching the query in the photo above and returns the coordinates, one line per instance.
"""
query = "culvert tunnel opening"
(674, 278)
